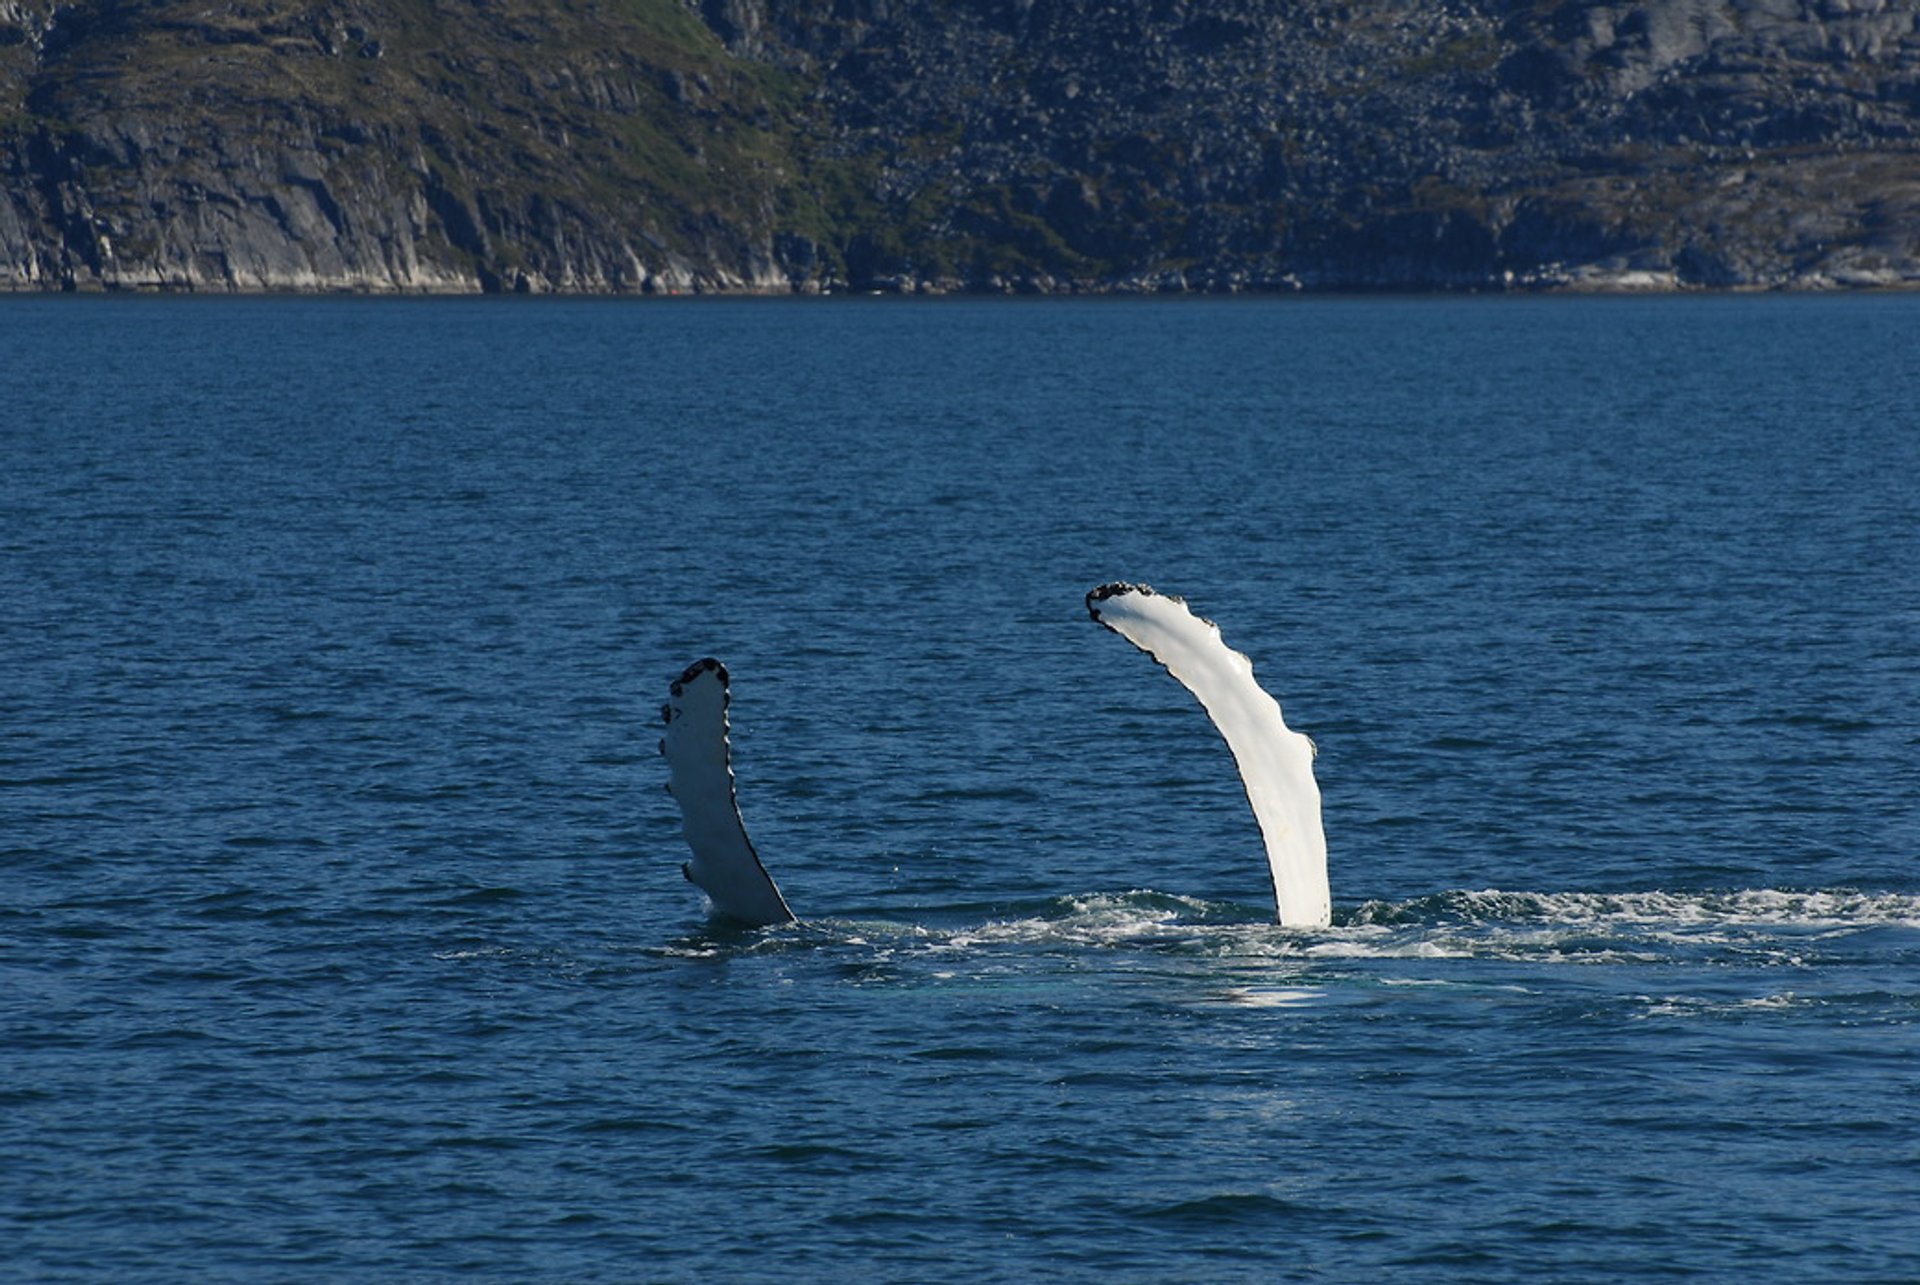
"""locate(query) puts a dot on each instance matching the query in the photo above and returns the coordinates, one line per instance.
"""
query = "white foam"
(1434, 937)
(1094, 919)
(1676, 911)
(1691, 1006)
(1272, 997)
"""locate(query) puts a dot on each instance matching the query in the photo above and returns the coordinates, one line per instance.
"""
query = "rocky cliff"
(656, 145)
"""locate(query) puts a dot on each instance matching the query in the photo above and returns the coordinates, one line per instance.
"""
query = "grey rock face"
(965, 144)
(1478, 145)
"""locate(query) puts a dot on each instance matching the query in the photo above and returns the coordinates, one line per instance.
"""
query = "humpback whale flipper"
(1276, 763)
(724, 864)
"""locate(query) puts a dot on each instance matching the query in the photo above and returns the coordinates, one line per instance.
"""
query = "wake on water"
(1753, 926)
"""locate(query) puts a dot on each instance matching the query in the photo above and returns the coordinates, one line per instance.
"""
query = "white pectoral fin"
(724, 865)
(1275, 762)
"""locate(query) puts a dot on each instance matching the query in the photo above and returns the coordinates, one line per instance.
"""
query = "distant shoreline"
(1592, 287)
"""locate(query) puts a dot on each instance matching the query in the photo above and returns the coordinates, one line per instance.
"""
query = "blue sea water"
(343, 935)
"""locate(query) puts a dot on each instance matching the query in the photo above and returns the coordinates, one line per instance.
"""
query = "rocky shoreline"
(988, 146)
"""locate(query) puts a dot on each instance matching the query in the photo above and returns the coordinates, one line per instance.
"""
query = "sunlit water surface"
(344, 935)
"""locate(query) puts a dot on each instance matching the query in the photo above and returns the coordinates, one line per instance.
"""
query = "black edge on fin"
(1119, 589)
(1112, 589)
(697, 668)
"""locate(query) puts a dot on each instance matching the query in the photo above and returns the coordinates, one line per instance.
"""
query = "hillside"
(629, 145)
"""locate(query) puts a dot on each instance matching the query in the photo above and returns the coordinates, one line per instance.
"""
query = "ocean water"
(343, 935)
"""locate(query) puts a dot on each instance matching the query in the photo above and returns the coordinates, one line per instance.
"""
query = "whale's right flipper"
(1276, 762)
(724, 865)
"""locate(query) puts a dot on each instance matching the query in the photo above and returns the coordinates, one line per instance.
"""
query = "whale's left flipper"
(724, 864)
(1276, 762)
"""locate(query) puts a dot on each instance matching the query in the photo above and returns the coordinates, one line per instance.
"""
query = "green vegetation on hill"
(624, 145)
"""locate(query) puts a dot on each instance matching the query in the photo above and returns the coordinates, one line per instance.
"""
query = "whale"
(725, 864)
(1274, 761)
